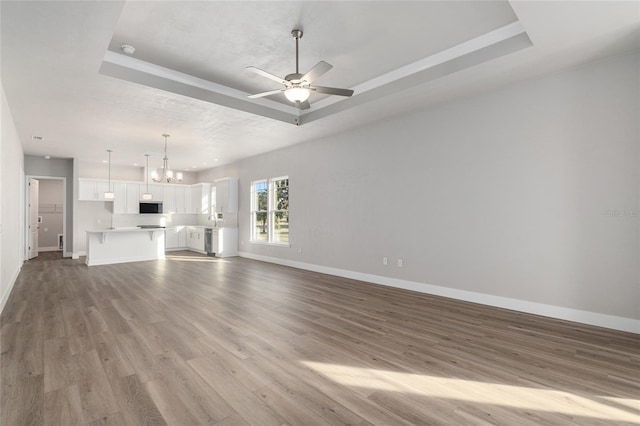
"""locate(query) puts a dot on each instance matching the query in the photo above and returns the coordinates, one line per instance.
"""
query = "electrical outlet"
(399, 263)
(385, 261)
(300, 250)
(46, 229)
(99, 221)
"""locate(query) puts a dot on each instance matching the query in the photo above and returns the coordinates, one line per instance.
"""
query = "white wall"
(12, 202)
(508, 194)
(90, 170)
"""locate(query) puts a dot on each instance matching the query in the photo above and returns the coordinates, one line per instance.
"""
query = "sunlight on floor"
(480, 392)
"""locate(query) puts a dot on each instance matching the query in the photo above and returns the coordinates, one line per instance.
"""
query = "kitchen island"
(122, 245)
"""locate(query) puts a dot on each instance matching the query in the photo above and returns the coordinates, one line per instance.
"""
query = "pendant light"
(109, 195)
(167, 174)
(147, 195)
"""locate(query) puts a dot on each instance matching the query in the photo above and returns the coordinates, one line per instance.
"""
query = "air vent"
(37, 138)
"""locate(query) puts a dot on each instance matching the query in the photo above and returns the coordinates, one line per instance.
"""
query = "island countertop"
(125, 229)
(126, 244)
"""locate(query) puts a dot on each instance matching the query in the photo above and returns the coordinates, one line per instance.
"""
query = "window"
(270, 211)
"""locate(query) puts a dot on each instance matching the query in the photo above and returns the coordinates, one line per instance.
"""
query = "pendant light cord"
(109, 151)
(147, 170)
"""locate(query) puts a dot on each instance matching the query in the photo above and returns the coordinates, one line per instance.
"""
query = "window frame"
(271, 212)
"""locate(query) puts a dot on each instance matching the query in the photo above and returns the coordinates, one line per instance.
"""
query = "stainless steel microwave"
(151, 207)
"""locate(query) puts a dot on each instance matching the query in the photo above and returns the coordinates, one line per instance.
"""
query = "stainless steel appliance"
(151, 207)
(208, 241)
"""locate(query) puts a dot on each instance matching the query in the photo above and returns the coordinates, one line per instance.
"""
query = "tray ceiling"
(66, 78)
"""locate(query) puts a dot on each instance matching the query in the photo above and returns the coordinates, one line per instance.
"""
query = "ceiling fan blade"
(268, 75)
(316, 72)
(332, 90)
(263, 94)
(303, 105)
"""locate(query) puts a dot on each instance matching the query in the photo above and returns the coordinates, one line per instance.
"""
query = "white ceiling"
(67, 80)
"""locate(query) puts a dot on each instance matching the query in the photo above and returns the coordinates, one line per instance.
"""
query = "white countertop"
(159, 228)
(124, 229)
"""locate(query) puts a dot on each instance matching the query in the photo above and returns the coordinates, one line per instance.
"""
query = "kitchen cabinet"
(176, 238)
(168, 199)
(182, 206)
(120, 200)
(187, 199)
(200, 198)
(86, 190)
(226, 195)
(133, 198)
(156, 191)
(92, 190)
(126, 198)
(224, 242)
(195, 238)
(182, 237)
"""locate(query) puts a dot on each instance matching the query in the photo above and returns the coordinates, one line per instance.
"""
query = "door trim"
(64, 209)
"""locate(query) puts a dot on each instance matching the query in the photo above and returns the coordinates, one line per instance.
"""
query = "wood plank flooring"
(193, 340)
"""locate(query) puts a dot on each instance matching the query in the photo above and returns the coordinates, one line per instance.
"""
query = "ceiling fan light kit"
(298, 87)
(297, 94)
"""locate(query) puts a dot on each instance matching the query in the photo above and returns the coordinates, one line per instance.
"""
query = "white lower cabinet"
(224, 242)
(195, 238)
(171, 239)
(175, 238)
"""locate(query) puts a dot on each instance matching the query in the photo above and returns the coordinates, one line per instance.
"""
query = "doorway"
(46, 215)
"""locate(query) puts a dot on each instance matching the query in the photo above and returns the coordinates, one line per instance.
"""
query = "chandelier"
(167, 174)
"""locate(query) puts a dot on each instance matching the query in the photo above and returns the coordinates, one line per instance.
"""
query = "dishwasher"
(210, 241)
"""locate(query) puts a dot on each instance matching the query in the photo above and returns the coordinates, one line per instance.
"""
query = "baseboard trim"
(43, 249)
(7, 292)
(569, 314)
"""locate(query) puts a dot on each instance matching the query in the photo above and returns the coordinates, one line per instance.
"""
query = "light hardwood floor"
(200, 341)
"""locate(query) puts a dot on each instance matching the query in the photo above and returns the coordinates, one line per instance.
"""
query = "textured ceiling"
(54, 54)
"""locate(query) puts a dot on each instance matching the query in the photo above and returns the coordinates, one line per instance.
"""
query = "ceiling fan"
(298, 87)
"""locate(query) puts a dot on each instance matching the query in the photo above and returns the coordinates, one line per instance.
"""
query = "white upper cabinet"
(92, 190)
(169, 199)
(120, 200)
(226, 195)
(133, 198)
(182, 206)
(156, 191)
(176, 199)
(200, 198)
(126, 198)
(87, 190)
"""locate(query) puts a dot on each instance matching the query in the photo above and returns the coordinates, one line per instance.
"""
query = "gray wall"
(514, 193)
(56, 167)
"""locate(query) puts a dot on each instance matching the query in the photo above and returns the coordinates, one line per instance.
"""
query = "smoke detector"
(128, 49)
